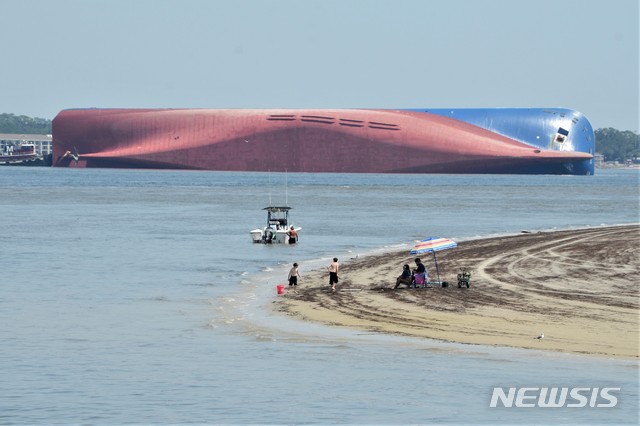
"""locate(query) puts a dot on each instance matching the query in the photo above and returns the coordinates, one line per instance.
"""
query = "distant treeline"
(617, 145)
(614, 144)
(10, 123)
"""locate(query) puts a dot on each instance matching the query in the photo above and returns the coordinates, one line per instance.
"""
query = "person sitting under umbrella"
(420, 273)
(405, 278)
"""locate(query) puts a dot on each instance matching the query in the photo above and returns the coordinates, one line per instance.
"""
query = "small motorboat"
(277, 229)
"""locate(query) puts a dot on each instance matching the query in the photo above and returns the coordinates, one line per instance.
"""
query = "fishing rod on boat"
(270, 188)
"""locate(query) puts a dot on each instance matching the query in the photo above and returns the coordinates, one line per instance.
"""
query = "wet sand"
(579, 287)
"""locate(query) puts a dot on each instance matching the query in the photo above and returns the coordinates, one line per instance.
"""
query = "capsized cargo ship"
(485, 140)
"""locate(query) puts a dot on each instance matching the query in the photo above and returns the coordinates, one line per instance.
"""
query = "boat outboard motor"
(268, 235)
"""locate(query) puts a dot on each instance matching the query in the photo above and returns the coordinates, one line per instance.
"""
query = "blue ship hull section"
(558, 129)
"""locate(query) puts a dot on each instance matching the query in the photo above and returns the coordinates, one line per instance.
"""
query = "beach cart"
(463, 278)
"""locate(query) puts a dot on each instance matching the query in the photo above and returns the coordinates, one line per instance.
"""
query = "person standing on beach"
(333, 273)
(294, 274)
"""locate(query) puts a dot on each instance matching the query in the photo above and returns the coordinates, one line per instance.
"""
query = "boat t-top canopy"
(278, 216)
(277, 209)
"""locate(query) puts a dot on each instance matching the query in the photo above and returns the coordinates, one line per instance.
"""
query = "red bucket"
(280, 288)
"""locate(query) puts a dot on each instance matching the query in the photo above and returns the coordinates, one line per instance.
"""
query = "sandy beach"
(579, 287)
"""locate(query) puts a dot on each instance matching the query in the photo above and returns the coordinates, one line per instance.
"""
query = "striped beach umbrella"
(432, 245)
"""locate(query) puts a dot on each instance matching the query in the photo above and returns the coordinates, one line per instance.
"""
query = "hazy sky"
(581, 54)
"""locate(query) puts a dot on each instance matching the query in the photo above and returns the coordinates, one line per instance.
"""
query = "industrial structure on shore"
(489, 140)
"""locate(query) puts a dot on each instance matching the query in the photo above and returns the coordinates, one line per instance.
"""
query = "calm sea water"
(131, 296)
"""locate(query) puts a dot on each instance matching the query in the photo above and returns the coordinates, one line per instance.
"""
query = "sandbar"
(579, 288)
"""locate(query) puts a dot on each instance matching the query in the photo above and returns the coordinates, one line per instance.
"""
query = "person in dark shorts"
(294, 274)
(293, 235)
(333, 273)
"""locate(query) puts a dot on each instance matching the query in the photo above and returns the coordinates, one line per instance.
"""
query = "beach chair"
(419, 280)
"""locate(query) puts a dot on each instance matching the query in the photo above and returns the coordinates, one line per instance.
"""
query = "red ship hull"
(352, 141)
